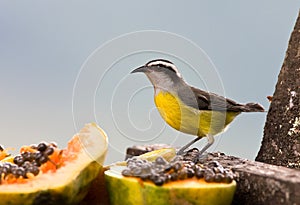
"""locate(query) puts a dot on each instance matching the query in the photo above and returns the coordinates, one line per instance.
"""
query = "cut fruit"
(66, 177)
(138, 150)
(167, 153)
(161, 178)
(132, 190)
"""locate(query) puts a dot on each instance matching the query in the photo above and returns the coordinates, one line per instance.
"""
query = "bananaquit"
(189, 109)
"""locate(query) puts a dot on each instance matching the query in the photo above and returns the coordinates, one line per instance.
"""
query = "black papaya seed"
(43, 159)
(49, 151)
(38, 155)
(228, 178)
(26, 164)
(159, 181)
(33, 169)
(190, 173)
(209, 178)
(218, 170)
(199, 173)
(126, 172)
(136, 171)
(213, 164)
(42, 147)
(168, 167)
(209, 171)
(36, 163)
(146, 167)
(20, 172)
(19, 160)
(219, 177)
(26, 156)
(177, 166)
(160, 161)
(182, 174)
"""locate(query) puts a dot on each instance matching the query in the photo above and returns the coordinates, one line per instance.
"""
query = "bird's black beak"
(142, 69)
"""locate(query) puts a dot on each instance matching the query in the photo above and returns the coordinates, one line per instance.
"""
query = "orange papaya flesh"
(65, 177)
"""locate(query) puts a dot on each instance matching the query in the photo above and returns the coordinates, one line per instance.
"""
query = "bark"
(281, 141)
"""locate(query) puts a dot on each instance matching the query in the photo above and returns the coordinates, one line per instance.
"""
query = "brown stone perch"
(261, 183)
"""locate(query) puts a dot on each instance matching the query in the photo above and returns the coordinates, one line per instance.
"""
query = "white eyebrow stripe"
(163, 63)
(154, 63)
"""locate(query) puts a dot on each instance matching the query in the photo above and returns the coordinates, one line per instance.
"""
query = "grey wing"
(202, 100)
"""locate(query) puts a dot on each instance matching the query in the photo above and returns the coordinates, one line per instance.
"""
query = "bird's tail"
(252, 107)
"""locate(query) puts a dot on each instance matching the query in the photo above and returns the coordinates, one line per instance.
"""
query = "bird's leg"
(210, 141)
(183, 148)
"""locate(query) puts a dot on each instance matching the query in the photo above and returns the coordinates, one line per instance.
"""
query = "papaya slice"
(189, 190)
(66, 177)
(131, 190)
(166, 153)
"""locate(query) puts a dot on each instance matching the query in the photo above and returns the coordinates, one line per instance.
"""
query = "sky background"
(67, 63)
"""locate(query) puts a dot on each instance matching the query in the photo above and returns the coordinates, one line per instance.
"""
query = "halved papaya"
(132, 190)
(66, 176)
(143, 189)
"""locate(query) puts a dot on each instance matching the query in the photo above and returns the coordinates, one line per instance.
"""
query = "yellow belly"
(190, 120)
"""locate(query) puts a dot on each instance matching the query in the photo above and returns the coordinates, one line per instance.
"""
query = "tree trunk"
(281, 141)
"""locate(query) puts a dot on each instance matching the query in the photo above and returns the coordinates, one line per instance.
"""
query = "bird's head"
(162, 73)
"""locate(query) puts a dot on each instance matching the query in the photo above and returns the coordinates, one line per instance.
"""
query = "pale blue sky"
(44, 44)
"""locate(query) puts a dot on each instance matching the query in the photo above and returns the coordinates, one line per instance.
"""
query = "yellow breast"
(190, 120)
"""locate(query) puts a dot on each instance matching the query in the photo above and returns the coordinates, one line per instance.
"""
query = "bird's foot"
(193, 155)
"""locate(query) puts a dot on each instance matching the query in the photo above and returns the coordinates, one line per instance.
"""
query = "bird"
(189, 109)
